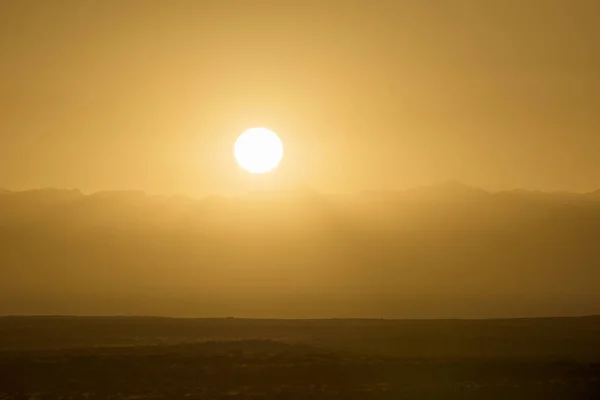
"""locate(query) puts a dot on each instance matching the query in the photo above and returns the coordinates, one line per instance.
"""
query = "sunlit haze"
(381, 95)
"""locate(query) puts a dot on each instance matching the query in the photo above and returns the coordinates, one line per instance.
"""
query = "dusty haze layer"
(447, 250)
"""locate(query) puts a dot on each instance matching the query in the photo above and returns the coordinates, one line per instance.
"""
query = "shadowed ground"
(146, 358)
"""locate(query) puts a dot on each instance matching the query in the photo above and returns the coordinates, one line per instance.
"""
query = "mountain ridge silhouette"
(444, 189)
(441, 251)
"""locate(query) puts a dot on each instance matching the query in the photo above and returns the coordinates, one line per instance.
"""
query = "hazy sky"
(373, 94)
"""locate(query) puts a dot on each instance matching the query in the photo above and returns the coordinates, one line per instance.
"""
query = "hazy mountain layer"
(441, 251)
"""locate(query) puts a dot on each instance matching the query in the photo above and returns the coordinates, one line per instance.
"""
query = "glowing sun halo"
(258, 150)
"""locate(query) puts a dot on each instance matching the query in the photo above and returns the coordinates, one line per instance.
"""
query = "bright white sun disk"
(258, 150)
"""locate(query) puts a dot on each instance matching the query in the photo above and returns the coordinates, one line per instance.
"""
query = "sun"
(258, 150)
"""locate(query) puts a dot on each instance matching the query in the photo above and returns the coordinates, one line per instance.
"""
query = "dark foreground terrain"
(162, 358)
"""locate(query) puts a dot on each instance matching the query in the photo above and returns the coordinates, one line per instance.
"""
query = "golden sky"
(365, 95)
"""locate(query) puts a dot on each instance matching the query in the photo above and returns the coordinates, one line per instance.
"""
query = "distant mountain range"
(446, 250)
(456, 190)
(447, 190)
